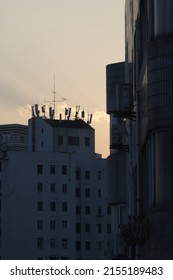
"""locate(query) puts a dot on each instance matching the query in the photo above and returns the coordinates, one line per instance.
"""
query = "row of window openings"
(52, 169)
(52, 187)
(64, 171)
(72, 140)
(78, 226)
(64, 189)
(65, 208)
(52, 206)
(53, 243)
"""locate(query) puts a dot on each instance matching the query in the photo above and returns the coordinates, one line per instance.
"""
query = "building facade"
(54, 195)
(148, 233)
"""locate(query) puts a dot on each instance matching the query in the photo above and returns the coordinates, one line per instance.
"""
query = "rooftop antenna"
(54, 94)
(54, 101)
(77, 111)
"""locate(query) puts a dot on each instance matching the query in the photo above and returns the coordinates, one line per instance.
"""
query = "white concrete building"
(54, 195)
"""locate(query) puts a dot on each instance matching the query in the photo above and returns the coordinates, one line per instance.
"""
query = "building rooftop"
(78, 123)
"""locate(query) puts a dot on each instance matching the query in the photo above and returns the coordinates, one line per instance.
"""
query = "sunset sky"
(72, 40)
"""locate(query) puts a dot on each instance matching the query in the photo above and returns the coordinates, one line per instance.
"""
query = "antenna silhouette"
(54, 101)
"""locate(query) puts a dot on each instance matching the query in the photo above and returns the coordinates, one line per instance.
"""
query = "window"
(87, 175)
(87, 192)
(108, 210)
(78, 173)
(64, 169)
(60, 140)
(87, 141)
(108, 228)
(52, 206)
(78, 227)
(87, 245)
(78, 192)
(64, 224)
(52, 224)
(64, 244)
(64, 188)
(39, 168)
(73, 140)
(52, 187)
(87, 210)
(0, 166)
(40, 242)
(53, 243)
(100, 245)
(64, 206)
(87, 227)
(99, 175)
(39, 187)
(40, 206)
(99, 193)
(78, 246)
(52, 169)
(39, 224)
(99, 228)
(78, 210)
(99, 212)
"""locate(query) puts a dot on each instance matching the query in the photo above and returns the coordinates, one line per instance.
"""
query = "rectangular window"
(78, 228)
(78, 210)
(87, 141)
(52, 206)
(39, 187)
(87, 245)
(99, 193)
(78, 173)
(73, 140)
(52, 224)
(87, 210)
(87, 175)
(99, 228)
(64, 188)
(40, 242)
(39, 224)
(108, 228)
(100, 245)
(52, 187)
(78, 193)
(53, 243)
(78, 246)
(99, 175)
(64, 169)
(60, 140)
(40, 206)
(64, 224)
(52, 169)
(39, 169)
(87, 227)
(108, 210)
(99, 212)
(64, 206)
(64, 244)
(87, 192)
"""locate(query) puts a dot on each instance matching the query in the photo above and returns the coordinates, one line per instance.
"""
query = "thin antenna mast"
(54, 94)
(54, 99)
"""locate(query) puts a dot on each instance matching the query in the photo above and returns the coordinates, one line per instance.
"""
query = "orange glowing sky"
(71, 39)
